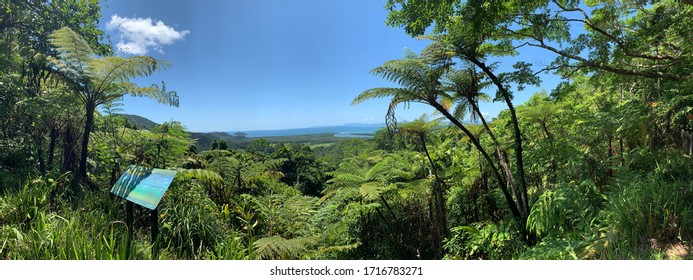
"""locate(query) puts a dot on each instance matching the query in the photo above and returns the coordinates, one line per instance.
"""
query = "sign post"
(154, 220)
(145, 187)
(129, 219)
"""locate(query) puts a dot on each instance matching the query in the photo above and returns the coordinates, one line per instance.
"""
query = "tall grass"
(650, 207)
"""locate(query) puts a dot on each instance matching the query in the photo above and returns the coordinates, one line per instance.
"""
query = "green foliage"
(24, 207)
(37, 223)
(301, 169)
(484, 241)
(599, 155)
(100, 80)
(277, 248)
(565, 210)
(556, 249)
(191, 224)
(651, 208)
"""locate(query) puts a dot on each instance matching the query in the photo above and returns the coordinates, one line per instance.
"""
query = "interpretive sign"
(143, 186)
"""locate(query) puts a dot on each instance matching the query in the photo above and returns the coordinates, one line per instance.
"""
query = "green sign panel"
(143, 186)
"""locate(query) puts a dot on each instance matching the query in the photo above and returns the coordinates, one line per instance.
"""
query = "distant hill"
(313, 136)
(344, 130)
(140, 122)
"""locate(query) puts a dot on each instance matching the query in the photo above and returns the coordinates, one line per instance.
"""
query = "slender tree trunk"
(389, 209)
(51, 146)
(620, 147)
(502, 158)
(508, 197)
(114, 172)
(546, 130)
(392, 232)
(40, 154)
(88, 126)
(482, 185)
(490, 202)
(610, 139)
(475, 196)
(68, 149)
(440, 219)
(524, 204)
(435, 237)
(158, 153)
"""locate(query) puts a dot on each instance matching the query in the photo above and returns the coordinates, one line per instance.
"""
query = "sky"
(270, 64)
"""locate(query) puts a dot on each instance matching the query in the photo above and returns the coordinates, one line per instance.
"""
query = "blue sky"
(269, 64)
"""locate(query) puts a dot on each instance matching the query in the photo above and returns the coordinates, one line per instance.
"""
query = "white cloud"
(139, 35)
(485, 114)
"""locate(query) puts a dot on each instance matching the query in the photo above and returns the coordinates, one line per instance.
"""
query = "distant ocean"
(348, 130)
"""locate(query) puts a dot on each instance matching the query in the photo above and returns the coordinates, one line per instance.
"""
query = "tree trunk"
(439, 219)
(158, 154)
(502, 158)
(508, 197)
(546, 130)
(51, 146)
(114, 172)
(435, 238)
(524, 204)
(88, 125)
(610, 139)
(69, 143)
(475, 196)
(40, 155)
(620, 147)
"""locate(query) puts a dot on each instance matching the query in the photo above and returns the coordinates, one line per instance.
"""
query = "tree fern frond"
(371, 191)
(461, 110)
(113, 69)
(275, 164)
(396, 93)
(415, 187)
(339, 248)
(208, 177)
(73, 49)
(154, 92)
(346, 178)
(327, 193)
(409, 73)
(277, 247)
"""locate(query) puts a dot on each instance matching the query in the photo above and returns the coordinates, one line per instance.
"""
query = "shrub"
(500, 240)
(191, 224)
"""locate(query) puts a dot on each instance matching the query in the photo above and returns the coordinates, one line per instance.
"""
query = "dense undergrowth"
(599, 168)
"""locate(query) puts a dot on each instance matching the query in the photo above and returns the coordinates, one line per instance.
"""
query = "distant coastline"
(348, 130)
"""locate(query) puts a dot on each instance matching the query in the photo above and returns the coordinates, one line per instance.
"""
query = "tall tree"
(99, 80)
(25, 27)
(420, 129)
(420, 82)
(465, 86)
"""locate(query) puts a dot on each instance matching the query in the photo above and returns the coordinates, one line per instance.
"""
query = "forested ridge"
(598, 167)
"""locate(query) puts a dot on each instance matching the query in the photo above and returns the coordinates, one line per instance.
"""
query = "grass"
(36, 222)
(322, 145)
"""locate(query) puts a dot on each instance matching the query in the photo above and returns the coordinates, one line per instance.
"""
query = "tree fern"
(279, 248)
(420, 81)
(208, 177)
(99, 80)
